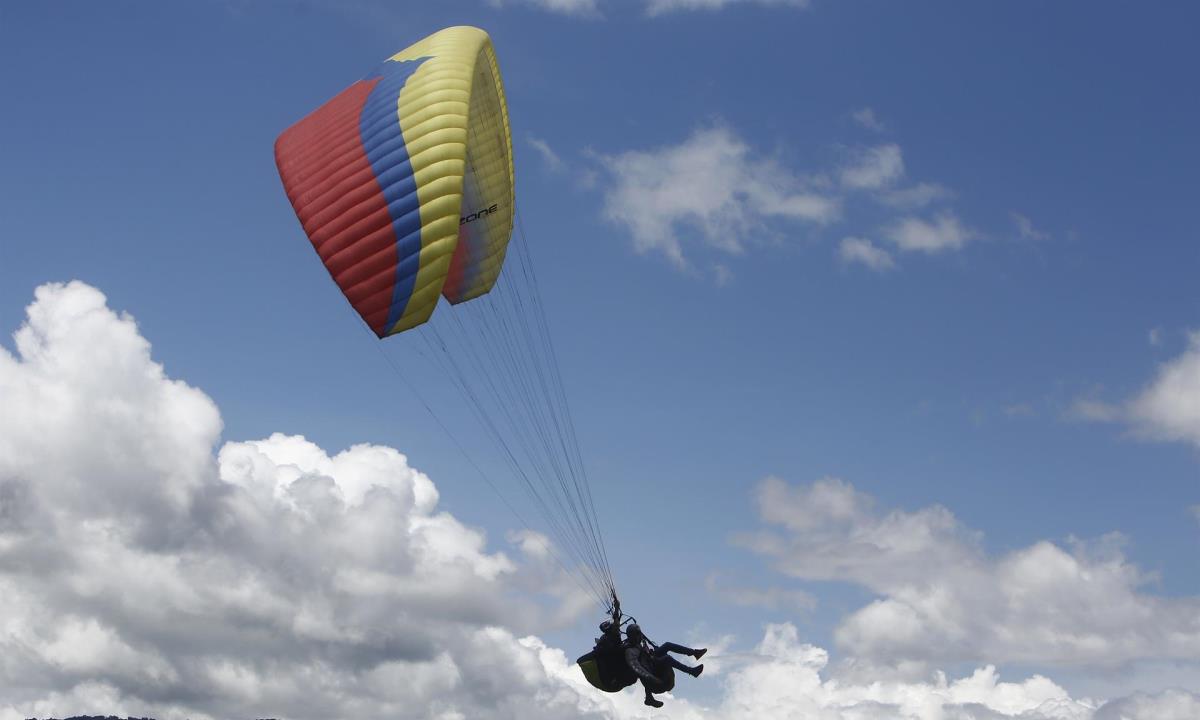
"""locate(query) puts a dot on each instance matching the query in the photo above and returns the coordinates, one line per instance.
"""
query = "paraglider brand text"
(478, 214)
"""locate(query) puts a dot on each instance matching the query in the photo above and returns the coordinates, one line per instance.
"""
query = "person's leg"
(672, 647)
(679, 649)
(650, 699)
(662, 654)
(690, 670)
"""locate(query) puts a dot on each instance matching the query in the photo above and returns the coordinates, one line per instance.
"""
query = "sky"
(879, 323)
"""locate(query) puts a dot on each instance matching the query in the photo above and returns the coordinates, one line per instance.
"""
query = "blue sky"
(943, 251)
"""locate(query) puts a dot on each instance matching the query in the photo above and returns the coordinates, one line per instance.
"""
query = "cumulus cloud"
(785, 678)
(1168, 705)
(873, 168)
(143, 570)
(1169, 407)
(660, 7)
(944, 232)
(862, 251)
(713, 191)
(712, 185)
(941, 597)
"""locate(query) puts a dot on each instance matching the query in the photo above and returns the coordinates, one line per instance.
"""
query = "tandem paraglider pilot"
(605, 667)
(614, 665)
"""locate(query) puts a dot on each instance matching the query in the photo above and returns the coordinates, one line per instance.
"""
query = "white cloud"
(784, 679)
(942, 598)
(553, 162)
(711, 184)
(865, 117)
(713, 191)
(578, 8)
(532, 543)
(1169, 705)
(660, 7)
(1155, 336)
(1169, 408)
(873, 168)
(142, 572)
(915, 197)
(1025, 228)
(913, 234)
(145, 571)
(860, 250)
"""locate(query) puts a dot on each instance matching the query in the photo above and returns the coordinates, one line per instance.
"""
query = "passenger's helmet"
(633, 632)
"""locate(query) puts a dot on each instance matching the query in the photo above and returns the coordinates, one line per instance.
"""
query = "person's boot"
(695, 671)
(653, 701)
(699, 653)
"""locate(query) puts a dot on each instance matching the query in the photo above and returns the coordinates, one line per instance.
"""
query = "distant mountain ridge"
(95, 717)
(109, 717)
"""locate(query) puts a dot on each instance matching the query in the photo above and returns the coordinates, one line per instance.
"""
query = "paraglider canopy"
(404, 180)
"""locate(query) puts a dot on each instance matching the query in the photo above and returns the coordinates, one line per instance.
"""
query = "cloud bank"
(942, 598)
(140, 572)
(147, 569)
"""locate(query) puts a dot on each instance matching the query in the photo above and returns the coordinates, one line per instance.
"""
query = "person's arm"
(633, 658)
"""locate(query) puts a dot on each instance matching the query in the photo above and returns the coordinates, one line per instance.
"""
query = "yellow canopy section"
(454, 121)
